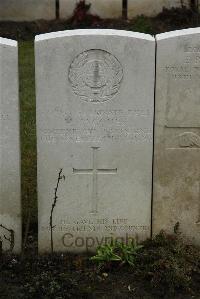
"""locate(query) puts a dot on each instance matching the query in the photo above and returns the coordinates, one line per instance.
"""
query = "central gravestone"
(95, 100)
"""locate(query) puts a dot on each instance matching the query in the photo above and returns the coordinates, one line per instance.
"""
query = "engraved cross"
(95, 171)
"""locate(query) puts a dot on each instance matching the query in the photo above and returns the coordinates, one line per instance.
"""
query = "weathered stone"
(95, 102)
(10, 206)
(27, 10)
(177, 134)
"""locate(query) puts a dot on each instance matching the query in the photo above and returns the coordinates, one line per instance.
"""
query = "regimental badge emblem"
(95, 76)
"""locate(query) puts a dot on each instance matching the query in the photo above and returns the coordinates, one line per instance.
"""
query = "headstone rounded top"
(100, 32)
(177, 33)
(8, 42)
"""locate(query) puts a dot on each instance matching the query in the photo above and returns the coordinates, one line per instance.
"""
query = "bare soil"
(164, 268)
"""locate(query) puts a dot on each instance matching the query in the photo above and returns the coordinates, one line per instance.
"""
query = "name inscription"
(189, 68)
(100, 125)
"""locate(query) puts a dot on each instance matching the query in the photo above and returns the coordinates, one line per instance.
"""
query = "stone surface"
(95, 102)
(27, 10)
(177, 134)
(151, 7)
(10, 205)
(103, 8)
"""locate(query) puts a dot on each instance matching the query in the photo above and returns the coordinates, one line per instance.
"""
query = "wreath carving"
(95, 76)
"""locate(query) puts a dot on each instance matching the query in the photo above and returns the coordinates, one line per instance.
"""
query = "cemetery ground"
(163, 268)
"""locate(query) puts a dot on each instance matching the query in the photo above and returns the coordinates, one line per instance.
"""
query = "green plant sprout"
(117, 252)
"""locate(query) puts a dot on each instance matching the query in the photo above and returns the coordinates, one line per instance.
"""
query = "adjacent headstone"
(95, 102)
(177, 134)
(27, 10)
(10, 206)
(103, 8)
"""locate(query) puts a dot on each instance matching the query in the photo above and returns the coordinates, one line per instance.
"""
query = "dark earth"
(164, 268)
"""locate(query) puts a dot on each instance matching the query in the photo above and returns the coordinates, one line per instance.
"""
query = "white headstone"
(95, 102)
(10, 206)
(177, 134)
